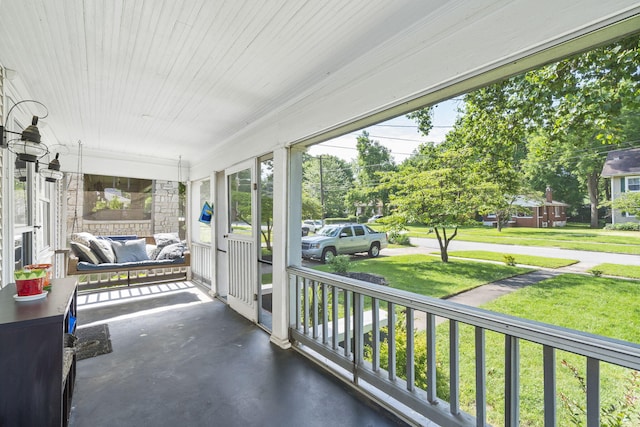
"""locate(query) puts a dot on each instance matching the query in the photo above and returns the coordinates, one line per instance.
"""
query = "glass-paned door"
(265, 254)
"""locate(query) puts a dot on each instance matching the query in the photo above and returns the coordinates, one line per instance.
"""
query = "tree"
(373, 158)
(628, 202)
(327, 179)
(492, 135)
(443, 193)
(578, 104)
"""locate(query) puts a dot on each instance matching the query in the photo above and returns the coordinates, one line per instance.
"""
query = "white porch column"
(287, 206)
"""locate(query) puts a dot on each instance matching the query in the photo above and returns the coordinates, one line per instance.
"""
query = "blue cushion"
(151, 263)
(130, 250)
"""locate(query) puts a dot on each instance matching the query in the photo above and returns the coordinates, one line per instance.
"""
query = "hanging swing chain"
(78, 177)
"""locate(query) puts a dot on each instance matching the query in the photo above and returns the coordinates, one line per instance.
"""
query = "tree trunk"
(443, 241)
(592, 189)
(498, 222)
(444, 256)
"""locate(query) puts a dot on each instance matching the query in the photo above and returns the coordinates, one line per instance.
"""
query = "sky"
(400, 135)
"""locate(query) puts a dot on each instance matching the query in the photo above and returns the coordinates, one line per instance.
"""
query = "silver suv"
(339, 239)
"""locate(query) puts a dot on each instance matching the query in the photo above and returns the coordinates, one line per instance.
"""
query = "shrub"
(623, 412)
(340, 263)
(596, 272)
(337, 220)
(398, 238)
(510, 260)
(625, 226)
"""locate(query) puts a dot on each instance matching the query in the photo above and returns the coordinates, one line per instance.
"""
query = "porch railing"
(201, 262)
(323, 303)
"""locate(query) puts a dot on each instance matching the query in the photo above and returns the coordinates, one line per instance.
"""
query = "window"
(359, 230)
(201, 192)
(114, 198)
(347, 231)
(523, 212)
(45, 191)
(240, 202)
(633, 184)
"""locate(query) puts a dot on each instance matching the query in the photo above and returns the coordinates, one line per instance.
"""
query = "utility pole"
(321, 189)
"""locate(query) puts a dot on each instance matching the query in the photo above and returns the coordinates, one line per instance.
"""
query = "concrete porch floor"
(181, 358)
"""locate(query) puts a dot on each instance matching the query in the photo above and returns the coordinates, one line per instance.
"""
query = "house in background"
(534, 213)
(623, 167)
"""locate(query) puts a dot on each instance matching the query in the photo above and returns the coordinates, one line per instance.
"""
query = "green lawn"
(598, 305)
(570, 237)
(429, 276)
(536, 261)
(629, 271)
(602, 306)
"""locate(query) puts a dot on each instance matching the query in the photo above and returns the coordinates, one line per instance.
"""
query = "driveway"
(586, 259)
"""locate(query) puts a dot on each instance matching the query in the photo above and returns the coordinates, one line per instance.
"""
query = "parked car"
(305, 230)
(312, 224)
(339, 239)
(375, 218)
(309, 224)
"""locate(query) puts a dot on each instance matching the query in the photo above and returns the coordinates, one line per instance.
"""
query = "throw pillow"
(84, 253)
(151, 251)
(103, 250)
(130, 250)
(83, 237)
(173, 251)
(163, 240)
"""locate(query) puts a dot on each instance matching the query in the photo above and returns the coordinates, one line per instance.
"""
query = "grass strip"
(619, 270)
(536, 261)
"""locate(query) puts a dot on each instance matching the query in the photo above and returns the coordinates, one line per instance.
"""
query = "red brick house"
(534, 213)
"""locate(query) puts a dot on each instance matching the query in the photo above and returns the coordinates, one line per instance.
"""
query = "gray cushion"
(130, 250)
(103, 250)
(84, 253)
(83, 237)
(163, 240)
(173, 251)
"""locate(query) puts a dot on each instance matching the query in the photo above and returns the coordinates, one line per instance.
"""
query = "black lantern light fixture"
(29, 148)
(52, 172)
(20, 170)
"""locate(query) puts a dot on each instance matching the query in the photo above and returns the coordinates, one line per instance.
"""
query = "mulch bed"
(366, 277)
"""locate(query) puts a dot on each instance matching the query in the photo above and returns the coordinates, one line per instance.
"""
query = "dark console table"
(37, 373)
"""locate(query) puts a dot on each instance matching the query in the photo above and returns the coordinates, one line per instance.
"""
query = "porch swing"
(124, 260)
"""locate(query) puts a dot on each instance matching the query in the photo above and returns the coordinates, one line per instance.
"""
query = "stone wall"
(166, 206)
(164, 214)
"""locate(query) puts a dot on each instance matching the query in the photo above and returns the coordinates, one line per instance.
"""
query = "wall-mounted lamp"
(28, 147)
(20, 170)
(52, 172)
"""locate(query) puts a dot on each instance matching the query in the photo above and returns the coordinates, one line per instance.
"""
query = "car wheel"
(374, 250)
(327, 255)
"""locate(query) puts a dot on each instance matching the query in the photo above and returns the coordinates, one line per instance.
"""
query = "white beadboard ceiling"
(153, 80)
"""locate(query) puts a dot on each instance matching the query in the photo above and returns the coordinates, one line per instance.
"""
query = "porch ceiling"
(187, 78)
